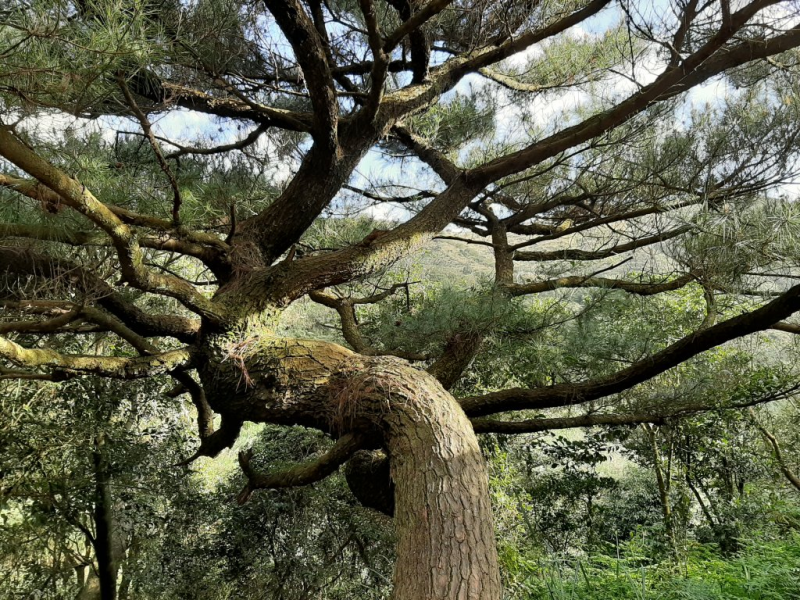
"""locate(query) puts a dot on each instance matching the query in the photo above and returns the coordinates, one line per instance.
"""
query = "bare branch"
(235, 108)
(576, 254)
(459, 352)
(148, 131)
(442, 166)
(577, 281)
(414, 22)
(216, 441)
(787, 327)
(250, 139)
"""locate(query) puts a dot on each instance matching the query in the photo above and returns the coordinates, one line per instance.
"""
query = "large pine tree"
(166, 165)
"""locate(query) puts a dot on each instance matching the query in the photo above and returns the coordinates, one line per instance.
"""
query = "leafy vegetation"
(429, 300)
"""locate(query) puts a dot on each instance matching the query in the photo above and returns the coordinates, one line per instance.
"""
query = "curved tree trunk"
(446, 547)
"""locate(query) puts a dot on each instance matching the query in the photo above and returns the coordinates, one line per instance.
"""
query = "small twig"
(148, 130)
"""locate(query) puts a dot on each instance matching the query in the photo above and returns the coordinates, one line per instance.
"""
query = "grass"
(763, 570)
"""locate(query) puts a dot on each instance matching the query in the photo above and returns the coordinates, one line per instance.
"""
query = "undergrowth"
(761, 570)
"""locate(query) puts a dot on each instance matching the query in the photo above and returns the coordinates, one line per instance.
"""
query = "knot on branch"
(252, 477)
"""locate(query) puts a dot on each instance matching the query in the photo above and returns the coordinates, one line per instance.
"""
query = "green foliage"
(452, 124)
(58, 59)
(47, 478)
(764, 570)
(338, 233)
(282, 543)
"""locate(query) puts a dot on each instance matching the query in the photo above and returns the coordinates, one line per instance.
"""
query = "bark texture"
(446, 545)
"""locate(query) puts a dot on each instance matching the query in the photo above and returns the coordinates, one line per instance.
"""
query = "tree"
(80, 483)
(190, 252)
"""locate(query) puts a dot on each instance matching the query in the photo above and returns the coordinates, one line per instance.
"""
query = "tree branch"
(657, 416)
(77, 197)
(21, 263)
(235, 108)
(214, 442)
(776, 451)
(41, 193)
(303, 474)
(708, 61)
(461, 348)
(577, 281)
(673, 355)
(91, 238)
(309, 50)
(106, 366)
(148, 132)
(575, 254)
(345, 307)
(250, 139)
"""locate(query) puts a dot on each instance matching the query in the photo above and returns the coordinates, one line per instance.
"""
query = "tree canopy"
(180, 180)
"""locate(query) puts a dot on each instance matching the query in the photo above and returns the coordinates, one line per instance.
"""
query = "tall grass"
(762, 570)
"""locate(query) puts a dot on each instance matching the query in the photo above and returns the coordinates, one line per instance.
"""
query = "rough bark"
(446, 546)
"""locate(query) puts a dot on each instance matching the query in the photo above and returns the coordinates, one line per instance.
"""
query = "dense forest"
(444, 300)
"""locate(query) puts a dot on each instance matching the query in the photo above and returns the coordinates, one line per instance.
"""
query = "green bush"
(762, 570)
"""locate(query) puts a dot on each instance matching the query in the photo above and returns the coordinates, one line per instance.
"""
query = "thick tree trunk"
(446, 546)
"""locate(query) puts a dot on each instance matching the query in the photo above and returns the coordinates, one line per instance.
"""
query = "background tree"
(82, 485)
(190, 251)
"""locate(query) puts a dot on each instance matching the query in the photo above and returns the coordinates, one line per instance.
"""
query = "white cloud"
(712, 92)
(386, 212)
(190, 127)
